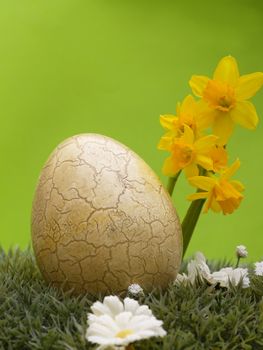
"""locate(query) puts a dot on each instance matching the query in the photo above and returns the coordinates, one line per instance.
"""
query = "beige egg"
(102, 220)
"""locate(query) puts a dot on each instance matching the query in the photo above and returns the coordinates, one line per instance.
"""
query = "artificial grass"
(34, 315)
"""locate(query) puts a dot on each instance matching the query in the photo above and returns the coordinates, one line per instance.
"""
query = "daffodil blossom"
(116, 324)
(222, 194)
(219, 157)
(187, 113)
(225, 98)
(187, 153)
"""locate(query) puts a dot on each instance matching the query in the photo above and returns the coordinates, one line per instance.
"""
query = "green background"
(112, 67)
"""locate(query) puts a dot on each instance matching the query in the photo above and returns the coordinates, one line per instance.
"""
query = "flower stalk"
(238, 260)
(172, 182)
(190, 221)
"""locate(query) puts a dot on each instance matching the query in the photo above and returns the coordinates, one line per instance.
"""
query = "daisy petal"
(248, 85)
(227, 71)
(114, 304)
(131, 305)
(99, 308)
(122, 319)
(245, 115)
(144, 310)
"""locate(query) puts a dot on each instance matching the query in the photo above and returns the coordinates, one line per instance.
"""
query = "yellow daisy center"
(219, 95)
(124, 333)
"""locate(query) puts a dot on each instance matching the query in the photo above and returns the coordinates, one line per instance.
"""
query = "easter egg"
(102, 220)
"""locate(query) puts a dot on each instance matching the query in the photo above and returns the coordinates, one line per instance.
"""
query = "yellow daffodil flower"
(187, 153)
(219, 157)
(221, 193)
(187, 113)
(225, 96)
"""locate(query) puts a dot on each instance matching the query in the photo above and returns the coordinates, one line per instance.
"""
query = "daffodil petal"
(206, 143)
(191, 170)
(231, 170)
(229, 205)
(248, 85)
(197, 195)
(198, 84)
(228, 191)
(165, 143)
(215, 206)
(203, 182)
(238, 185)
(208, 202)
(188, 135)
(205, 115)
(167, 121)
(178, 108)
(245, 115)
(205, 161)
(223, 127)
(170, 167)
(188, 105)
(227, 71)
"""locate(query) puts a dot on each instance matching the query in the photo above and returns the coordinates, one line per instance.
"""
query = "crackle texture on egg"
(101, 219)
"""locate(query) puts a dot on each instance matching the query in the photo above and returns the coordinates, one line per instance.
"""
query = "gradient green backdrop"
(112, 67)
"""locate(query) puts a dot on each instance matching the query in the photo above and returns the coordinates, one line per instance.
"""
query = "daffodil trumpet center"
(219, 95)
(183, 154)
(124, 333)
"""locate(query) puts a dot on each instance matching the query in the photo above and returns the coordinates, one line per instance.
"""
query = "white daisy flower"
(259, 268)
(228, 275)
(135, 290)
(224, 277)
(195, 267)
(241, 251)
(116, 324)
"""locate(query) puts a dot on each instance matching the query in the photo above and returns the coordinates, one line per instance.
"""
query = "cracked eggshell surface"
(101, 219)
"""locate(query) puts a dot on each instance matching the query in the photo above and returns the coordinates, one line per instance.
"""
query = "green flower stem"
(190, 221)
(237, 264)
(171, 183)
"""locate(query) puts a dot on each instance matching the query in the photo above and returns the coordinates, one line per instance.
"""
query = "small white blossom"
(116, 324)
(135, 290)
(259, 268)
(241, 251)
(181, 279)
(195, 267)
(227, 276)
